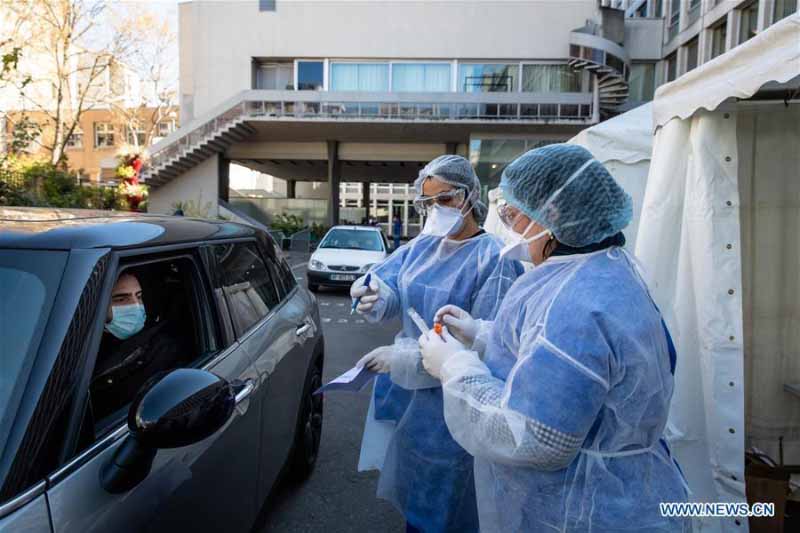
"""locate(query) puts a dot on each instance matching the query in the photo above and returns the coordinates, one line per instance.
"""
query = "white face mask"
(444, 221)
(517, 247)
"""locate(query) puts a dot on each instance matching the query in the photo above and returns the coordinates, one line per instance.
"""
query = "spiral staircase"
(608, 62)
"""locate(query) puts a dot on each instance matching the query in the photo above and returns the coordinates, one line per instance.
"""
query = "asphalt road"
(338, 498)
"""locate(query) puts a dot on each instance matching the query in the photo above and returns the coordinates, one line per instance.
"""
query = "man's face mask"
(126, 320)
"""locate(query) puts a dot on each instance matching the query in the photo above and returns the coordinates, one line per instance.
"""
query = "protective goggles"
(507, 215)
(451, 198)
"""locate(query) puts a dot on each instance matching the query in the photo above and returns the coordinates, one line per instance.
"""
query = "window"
(550, 79)
(748, 22)
(718, 37)
(274, 76)
(642, 82)
(177, 333)
(672, 67)
(692, 50)
(246, 283)
(694, 10)
(103, 135)
(641, 11)
(354, 239)
(266, 5)
(674, 17)
(368, 77)
(310, 75)
(135, 135)
(75, 140)
(488, 78)
(420, 77)
(165, 127)
(782, 9)
(657, 10)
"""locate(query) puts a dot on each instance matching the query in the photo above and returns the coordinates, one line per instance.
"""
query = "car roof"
(361, 228)
(67, 229)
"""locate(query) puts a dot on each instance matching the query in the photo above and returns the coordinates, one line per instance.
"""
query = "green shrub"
(287, 223)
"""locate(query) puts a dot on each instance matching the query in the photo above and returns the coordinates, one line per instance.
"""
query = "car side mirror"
(171, 410)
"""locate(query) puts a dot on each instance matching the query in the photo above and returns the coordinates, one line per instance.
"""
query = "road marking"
(359, 321)
(342, 321)
(298, 265)
(339, 305)
(324, 304)
(326, 320)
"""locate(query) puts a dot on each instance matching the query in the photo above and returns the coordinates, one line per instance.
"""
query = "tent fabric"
(772, 55)
(717, 239)
(626, 138)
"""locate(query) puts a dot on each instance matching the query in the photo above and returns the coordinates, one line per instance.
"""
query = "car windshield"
(353, 239)
(28, 283)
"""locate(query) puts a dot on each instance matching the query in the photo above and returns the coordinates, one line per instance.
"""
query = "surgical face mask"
(126, 320)
(517, 247)
(444, 221)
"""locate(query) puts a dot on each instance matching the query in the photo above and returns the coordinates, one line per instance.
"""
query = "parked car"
(218, 417)
(344, 254)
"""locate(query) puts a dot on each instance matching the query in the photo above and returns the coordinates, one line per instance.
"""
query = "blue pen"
(356, 300)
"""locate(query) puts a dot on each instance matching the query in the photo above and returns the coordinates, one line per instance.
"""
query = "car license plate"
(343, 277)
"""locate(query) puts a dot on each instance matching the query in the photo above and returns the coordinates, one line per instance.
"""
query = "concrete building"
(330, 97)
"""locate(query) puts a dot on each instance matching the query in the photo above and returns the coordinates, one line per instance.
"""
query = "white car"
(345, 254)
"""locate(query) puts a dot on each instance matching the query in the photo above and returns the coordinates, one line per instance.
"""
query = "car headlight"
(316, 265)
(366, 268)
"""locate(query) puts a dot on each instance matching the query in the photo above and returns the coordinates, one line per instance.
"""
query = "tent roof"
(772, 55)
(627, 137)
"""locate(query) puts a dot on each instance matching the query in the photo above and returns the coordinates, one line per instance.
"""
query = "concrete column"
(290, 189)
(334, 178)
(224, 177)
(365, 202)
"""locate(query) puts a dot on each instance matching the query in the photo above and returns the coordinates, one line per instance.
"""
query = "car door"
(208, 486)
(284, 364)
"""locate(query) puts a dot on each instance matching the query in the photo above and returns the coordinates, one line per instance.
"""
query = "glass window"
(135, 135)
(310, 75)
(369, 77)
(694, 10)
(28, 283)
(718, 37)
(692, 50)
(103, 135)
(748, 22)
(353, 239)
(177, 333)
(642, 82)
(75, 140)
(672, 67)
(657, 8)
(550, 79)
(782, 9)
(641, 11)
(487, 78)
(248, 288)
(165, 127)
(420, 77)
(274, 76)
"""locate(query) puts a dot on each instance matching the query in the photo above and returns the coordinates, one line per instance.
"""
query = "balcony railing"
(368, 107)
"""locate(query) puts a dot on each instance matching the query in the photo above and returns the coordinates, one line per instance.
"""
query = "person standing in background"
(397, 231)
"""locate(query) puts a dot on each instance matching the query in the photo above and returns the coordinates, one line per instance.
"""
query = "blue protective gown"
(566, 415)
(426, 474)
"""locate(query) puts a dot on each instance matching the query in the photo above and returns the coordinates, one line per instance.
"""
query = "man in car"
(130, 353)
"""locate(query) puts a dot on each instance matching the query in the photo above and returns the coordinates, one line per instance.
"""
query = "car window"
(28, 284)
(279, 269)
(352, 239)
(173, 332)
(246, 283)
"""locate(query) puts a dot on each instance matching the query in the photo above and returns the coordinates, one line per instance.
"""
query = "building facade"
(330, 97)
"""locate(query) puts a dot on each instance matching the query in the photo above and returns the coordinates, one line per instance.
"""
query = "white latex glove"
(437, 349)
(378, 360)
(369, 295)
(459, 322)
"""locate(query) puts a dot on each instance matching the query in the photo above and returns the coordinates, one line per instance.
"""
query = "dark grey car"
(193, 440)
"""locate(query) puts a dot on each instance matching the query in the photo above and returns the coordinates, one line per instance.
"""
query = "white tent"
(623, 144)
(718, 237)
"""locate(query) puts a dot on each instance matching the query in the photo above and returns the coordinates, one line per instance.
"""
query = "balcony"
(233, 120)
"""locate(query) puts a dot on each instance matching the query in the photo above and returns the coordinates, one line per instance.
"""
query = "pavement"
(337, 498)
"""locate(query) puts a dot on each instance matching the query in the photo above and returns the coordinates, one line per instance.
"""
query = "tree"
(155, 100)
(68, 58)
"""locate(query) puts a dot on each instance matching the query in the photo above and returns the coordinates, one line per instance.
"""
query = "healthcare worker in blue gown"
(424, 472)
(563, 399)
